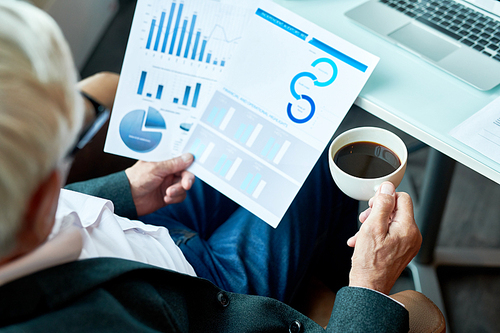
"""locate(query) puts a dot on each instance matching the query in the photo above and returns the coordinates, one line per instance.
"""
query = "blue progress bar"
(203, 45)
(212, 114)
(239, 132)
(188, 44)
(274, 151)
(245, 183)
(159, 92)
(267, 147)
(183, 32)
(339, 55)
(196, 94)
(169, 24)
(186, 95)
(160, 28)
(141, 83)
(220, 116)
(151, 31)
(176, 27)
(220, 163)
(195, 47)
(254, 183)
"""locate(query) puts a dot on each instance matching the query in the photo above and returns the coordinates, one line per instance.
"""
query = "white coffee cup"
(365, 188)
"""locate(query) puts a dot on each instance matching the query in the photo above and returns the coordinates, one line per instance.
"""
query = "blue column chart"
(152, 85)
(249, 154)
(193, 30)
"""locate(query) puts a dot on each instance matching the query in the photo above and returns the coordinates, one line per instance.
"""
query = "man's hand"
(157, 184)
(386, 242)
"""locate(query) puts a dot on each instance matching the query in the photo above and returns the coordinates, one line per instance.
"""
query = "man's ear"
(40, 214)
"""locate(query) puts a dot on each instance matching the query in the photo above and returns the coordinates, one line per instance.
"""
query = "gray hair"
(40, 110)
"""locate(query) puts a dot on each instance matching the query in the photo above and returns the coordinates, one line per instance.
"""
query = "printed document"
(271, 112)
(482, 131)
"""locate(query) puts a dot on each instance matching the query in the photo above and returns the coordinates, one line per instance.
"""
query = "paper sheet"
(281, 99)
(482, 131)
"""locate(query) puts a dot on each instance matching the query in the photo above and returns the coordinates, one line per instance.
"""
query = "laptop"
(460, 37)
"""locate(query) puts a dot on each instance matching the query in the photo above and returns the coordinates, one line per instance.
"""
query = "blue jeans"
(240, 253)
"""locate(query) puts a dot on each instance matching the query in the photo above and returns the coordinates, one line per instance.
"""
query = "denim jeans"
(240, 253)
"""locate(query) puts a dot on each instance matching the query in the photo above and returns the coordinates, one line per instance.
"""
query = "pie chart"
(141, 131)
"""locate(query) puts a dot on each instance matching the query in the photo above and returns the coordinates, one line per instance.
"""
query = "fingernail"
(186, 157)
(387, 189)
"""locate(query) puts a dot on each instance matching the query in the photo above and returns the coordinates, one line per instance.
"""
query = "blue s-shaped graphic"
(316, 83)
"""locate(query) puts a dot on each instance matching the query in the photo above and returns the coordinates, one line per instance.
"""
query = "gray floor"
(472, 215)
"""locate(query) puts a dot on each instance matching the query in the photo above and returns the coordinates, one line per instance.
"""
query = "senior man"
(69, 263)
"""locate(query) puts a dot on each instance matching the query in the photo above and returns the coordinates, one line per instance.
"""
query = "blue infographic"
(176, 53)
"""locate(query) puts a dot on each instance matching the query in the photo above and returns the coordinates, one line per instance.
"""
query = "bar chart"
(255, 134)
(197, 31)
(250, 155)
(186, 95)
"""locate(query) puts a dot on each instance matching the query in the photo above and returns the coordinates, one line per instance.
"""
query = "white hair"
(40, 111)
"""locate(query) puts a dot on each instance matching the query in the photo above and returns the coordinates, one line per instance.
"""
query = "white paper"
(482, 131)
(176, 52)
(286, 91)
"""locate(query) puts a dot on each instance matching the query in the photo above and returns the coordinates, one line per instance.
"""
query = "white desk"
(426, 103)
(405, 91)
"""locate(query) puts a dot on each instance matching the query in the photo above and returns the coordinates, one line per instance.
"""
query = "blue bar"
(148, 95)
(159, 92)
(215, 62)
(188, 44)
(141, 83)
(283, 25)
(267, 147)
(194, 146)
(151, 31)
(247, 133)
(167, 32)
(181, 40)
(222, 63)
(247, 180)
(339, 55)
(176, 100)
(274, 151)
(186, 95)
(160, 28)
(239, 132)
(196, 94)
(220, 163)
(226, 167)
(200, 151)
(212, 114)
(176, 27)
(203, 44)
(254, 183)
(220, 116)
(198, 34)
(209, 55)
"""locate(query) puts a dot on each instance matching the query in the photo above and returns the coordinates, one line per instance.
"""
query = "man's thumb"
(383, 203)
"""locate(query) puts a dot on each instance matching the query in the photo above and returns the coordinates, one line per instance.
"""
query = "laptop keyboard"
(470, 27)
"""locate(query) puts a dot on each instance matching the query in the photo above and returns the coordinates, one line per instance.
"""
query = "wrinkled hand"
(157, 184)
(386, 242)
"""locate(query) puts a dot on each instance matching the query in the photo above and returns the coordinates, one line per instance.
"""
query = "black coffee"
(366, 160)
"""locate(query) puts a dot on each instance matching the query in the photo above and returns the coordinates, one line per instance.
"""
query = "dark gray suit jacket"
(117, 295)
